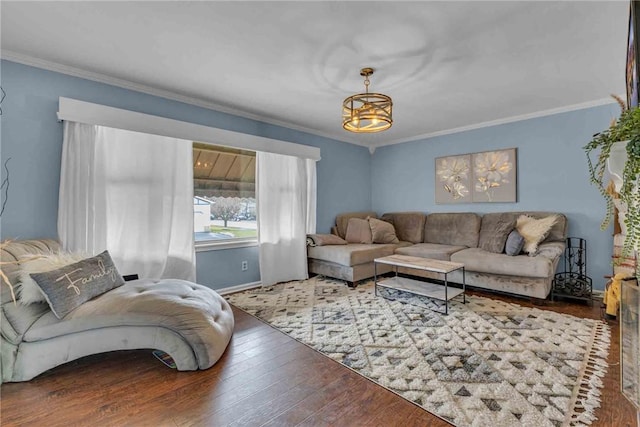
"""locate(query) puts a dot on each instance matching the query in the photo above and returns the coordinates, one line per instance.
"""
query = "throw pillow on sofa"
(515, 243)
(29, 292)
(494, 232)
(358, 231)
(382, 231)
(68, 287)
(534, 231)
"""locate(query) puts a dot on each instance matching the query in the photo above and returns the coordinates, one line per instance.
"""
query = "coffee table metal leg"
(464, 287)
(446, 297)
(375, 279)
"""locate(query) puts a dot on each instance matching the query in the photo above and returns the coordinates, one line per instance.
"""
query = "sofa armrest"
(551, 250)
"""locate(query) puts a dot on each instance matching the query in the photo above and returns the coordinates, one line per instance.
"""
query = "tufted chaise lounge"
(190, 322)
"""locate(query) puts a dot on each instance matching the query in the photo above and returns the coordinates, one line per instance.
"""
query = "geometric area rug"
(487, 363)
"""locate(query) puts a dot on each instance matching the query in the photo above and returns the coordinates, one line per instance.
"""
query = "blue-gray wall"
(552, 174)
(32, 137)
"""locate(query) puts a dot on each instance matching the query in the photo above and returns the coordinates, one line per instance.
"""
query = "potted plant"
(624, 130)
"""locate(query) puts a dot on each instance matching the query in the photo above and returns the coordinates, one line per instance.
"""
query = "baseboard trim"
(597, 294)
(238, 288)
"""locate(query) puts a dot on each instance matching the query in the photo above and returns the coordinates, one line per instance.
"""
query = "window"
(245, 146)
(224, 190)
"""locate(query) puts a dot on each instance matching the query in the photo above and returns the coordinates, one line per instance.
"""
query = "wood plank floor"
(264, 378)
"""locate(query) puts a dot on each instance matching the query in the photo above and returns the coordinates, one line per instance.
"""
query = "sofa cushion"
(17, 319)
(494, 230)
(534, 231)
(430, 250)
(457, 229)
(382, 231)
(68, 287)
(351, 254)
(358, 231)
(514, 244)
(481, 261)
(342, 220)
(409, 226)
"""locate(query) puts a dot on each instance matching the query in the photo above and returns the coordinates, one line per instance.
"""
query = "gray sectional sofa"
(452, 237)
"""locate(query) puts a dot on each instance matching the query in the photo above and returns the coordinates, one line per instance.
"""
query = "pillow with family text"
(28, 290)
(70, 286)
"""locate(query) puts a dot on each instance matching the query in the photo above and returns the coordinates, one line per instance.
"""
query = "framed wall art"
(493, 178)
(485, 177)
(453, 179)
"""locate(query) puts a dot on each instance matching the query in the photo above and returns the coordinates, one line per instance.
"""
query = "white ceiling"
(447, 65)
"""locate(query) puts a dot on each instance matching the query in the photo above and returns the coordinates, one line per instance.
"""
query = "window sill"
(226, 244)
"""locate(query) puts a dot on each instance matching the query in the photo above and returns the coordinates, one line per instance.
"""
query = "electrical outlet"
(245, 265)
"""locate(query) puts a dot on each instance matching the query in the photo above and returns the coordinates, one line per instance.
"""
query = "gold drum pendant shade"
(367, 112)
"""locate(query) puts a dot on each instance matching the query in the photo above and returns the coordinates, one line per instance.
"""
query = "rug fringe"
(589, 392)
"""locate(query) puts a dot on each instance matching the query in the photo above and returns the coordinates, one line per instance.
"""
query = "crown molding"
(542, 113)
(162, 93)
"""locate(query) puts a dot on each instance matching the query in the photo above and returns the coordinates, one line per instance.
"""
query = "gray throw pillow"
(68, 287)
(515, 243)
(494, 232)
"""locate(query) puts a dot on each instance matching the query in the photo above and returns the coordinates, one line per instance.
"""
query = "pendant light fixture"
(367, 112)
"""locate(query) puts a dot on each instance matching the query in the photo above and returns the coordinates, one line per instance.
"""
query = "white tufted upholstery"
(189, 321)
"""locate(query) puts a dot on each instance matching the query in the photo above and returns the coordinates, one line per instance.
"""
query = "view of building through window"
(224, 202)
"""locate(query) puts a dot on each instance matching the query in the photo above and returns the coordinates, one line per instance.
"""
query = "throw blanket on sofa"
(324, 239)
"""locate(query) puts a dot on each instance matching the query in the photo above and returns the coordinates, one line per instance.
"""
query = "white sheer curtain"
(286, 199)
(130, 193)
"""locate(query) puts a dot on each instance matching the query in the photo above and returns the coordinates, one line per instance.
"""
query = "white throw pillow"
(534, 231)
(29, 292)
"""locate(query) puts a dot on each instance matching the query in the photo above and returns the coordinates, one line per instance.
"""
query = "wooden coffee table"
(431, 290)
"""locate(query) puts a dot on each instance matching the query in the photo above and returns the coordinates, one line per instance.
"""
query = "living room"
(369, 174)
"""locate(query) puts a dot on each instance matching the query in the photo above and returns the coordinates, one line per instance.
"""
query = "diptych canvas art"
(485, 177)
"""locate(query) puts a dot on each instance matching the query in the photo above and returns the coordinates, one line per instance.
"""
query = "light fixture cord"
(366, 84)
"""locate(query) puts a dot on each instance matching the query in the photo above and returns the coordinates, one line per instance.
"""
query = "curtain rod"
(102, 115)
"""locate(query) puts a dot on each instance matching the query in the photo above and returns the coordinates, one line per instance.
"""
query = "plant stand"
(573, 282)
